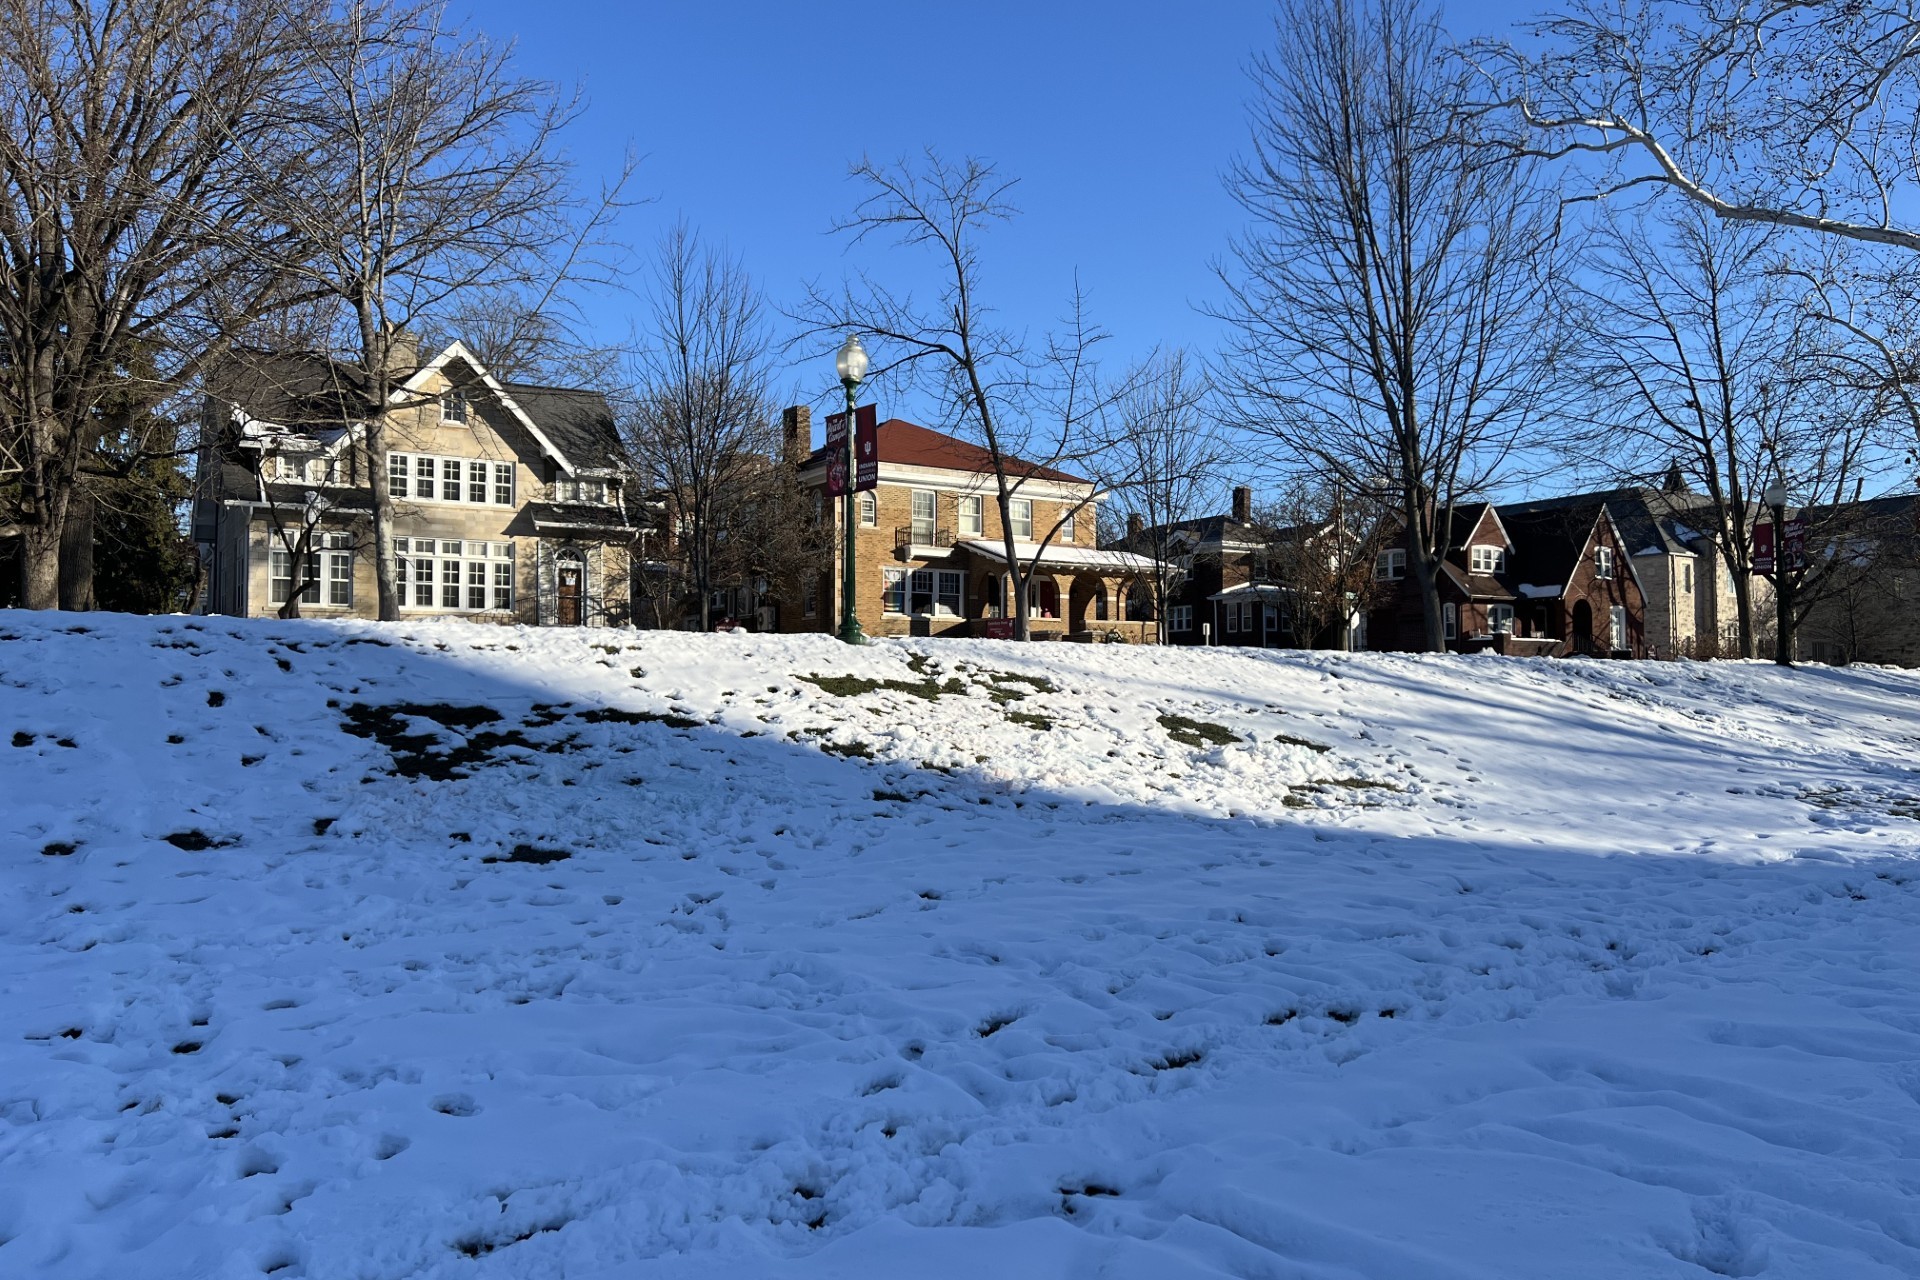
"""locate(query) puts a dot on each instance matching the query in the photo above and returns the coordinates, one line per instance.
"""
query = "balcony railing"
(906, 536)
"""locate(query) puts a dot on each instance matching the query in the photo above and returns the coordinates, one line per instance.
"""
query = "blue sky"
(1117, 118)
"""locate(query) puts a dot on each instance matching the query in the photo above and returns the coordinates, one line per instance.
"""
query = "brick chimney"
(1243, 504)
(1135, 526)
(796, 434)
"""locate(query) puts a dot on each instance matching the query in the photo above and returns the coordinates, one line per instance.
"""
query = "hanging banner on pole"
(866, 448)
(1793, 545)
(1763, 549)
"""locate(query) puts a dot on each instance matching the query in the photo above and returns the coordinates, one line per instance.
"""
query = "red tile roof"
(911, 445)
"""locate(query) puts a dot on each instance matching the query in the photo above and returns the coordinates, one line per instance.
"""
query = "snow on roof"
(1548, 592)
(1251, 591)
(1064, 557)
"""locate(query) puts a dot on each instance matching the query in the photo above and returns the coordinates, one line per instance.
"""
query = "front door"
(569, 611)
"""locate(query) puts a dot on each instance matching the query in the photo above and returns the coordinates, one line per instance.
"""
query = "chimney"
(1243, 504)
(796, 434)
(1135, 526)
(403, 353)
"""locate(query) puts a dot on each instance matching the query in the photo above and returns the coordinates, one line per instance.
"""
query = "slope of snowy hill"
(363, 952)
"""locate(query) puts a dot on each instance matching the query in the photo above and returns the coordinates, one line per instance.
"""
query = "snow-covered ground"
(348, 951)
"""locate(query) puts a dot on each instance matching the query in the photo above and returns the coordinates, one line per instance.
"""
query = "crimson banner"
(866, 446)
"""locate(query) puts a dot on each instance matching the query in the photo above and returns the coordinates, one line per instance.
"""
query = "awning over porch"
(1067, 558)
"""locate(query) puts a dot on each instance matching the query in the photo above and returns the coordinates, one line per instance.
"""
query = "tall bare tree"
(1790, 113)
(1164, 465)
(126, 223)
(1034, 406)
(1701, 352)
(1317, 543)
(1388, 297)
(701, 427)
(442, 178)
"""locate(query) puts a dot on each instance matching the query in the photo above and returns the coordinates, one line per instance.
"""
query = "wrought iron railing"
(921, 535)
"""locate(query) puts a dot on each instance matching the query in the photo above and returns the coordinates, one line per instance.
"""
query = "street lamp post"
(1776, 497)
(852, 365)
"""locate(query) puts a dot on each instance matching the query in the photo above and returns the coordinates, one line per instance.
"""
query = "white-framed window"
(280, 577)
(936, 592)
(1180, 618)
(1390, 565)
(453, 406)
(869, 510)
(924, 524)
(1603, 562)
(1021, 509)
(1450, 617)
(1617, 627)
(1500, 619)
(970, 526)
(469, 481)
(1481, 559)
(328, 573)
(455, 575)
(1232, 620)
(1066, 526)
(893, 590)
(1270, 618)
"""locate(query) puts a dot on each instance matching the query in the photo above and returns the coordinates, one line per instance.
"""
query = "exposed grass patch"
(1030, 720)
(854, 686)
(1197, 733)
(855, 749)
(196, 841)
(1291, 741)
(604, 715)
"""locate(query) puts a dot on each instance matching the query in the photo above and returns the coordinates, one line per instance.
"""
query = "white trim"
(459, 350)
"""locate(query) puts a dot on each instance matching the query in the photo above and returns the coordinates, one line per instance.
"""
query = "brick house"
(1518, 582)
(1223, 586)
(1691, 608)
(507, 496)
(930, 556)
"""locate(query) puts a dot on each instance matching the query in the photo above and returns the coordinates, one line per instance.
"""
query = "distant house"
(507, 496)
(930, 550)
(1520, 582)
(1224, 578)
(1691, 608)
(1865, 605)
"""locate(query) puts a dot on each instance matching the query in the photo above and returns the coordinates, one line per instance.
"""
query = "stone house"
(1516, 582)
(930, 556)
(1865, 604)
(507, 496)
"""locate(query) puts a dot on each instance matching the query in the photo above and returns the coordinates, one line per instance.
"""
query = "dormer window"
(1390, 565)
(1487, 559)
(453, 407)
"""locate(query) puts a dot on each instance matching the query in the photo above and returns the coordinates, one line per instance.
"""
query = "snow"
(1432, 967)
(1056, 555)
(1549, 592)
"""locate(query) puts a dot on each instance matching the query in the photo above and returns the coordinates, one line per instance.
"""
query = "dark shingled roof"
(1648, 519)
(579, 422)
(1548, 543)
(308, 392)
(576, 515)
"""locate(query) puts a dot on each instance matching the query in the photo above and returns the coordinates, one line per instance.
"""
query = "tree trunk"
(39, 567)
(1743, 608)
(76, 555)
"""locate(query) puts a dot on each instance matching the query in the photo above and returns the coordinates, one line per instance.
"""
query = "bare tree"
(1699, 353)
(1033, 406)
(1317, 544)
(439, 177)
(1788, 113)
(1388, 298)
(701, 427)
(1163, 466)
(123, 216)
